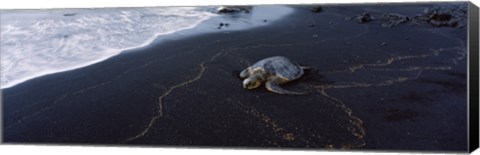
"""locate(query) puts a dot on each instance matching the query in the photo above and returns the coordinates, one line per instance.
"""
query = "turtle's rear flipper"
(274, 86)
(305, 67)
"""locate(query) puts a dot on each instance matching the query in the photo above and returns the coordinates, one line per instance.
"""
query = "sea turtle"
(274, 71)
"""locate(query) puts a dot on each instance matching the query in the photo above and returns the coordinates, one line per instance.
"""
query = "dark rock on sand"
(362, 18)
(444, 16)
(69, 14)
(234, 9)
(316, 9)
(222, 25)
(394, 19)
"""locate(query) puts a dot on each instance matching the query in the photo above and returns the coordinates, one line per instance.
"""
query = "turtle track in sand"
(282, 132)
(356, 124)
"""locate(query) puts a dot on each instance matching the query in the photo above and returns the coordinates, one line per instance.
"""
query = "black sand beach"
(370, 87)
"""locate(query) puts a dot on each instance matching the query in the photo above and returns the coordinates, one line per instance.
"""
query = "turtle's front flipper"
(244, 73)
(273, 86)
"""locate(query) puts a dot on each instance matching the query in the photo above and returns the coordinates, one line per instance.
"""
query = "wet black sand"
(407, 94)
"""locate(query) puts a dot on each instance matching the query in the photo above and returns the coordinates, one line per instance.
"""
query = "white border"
(86, 150)
(82, 150)
(38, 4)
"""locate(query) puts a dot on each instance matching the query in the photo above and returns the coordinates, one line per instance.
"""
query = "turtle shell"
(279, 66)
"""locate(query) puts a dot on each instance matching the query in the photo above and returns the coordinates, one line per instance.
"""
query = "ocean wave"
(39, 42)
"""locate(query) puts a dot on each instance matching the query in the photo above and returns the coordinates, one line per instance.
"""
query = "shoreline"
(204, 26)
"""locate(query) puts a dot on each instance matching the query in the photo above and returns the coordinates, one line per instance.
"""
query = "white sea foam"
(39, 42)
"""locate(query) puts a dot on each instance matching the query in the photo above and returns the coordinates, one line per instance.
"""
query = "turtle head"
(252, 82)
